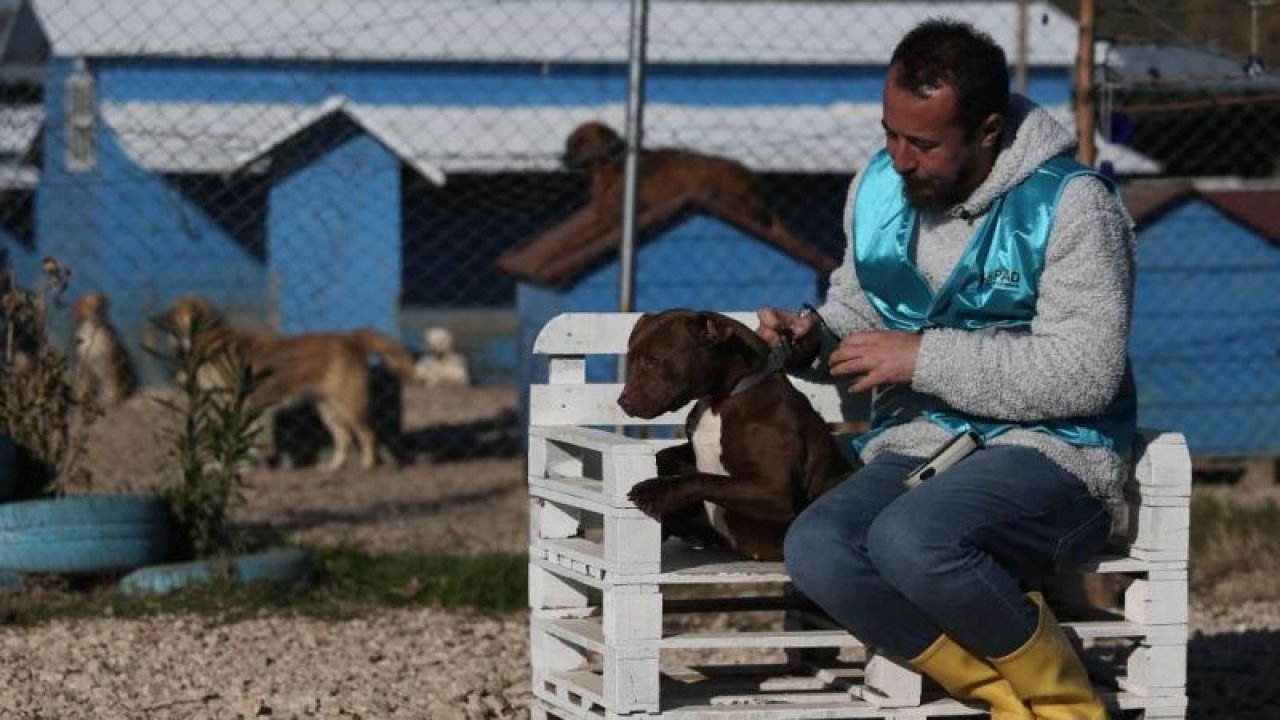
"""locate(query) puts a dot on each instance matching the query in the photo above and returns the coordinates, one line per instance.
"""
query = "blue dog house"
(1206, 324)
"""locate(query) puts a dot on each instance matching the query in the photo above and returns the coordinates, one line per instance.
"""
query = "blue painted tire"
(288, 565)
(83, 534)
(8, 468)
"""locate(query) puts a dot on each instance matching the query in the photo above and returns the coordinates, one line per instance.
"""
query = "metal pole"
(1086, 119)
(635, 136)
(1253, 24)
(631, 171)
(1021, 69)
(1253, 28)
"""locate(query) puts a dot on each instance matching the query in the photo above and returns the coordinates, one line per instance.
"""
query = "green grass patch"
(1235, 549)
(1214, 521)
(344, 584)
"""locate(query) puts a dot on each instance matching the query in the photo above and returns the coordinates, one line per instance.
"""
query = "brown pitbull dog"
(758, 453)
(715, 183)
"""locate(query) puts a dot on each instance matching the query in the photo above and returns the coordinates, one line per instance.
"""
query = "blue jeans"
(897, 568)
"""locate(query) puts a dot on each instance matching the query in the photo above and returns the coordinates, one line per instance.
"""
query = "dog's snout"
(571, 162)
(627, 402)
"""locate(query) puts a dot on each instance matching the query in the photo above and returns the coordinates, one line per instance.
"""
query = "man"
(986, 287)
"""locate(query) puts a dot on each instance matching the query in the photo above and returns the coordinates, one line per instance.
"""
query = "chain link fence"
(320, 166)
(1189, 84)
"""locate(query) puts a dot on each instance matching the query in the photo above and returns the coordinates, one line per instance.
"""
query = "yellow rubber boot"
(1047, 674)
(968, 677)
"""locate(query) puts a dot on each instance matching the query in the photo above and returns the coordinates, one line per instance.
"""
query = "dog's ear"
(638, 328)
(715, 327)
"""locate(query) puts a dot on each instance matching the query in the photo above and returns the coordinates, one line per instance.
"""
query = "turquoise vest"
(994, 285)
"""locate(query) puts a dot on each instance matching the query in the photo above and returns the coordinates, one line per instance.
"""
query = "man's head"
(945, 99)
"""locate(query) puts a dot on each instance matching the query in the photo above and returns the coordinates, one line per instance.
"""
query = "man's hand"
(775, 322)
(880, 357)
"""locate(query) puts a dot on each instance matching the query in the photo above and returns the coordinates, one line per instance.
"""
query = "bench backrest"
(568, 398)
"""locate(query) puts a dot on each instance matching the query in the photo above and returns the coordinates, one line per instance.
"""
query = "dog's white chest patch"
(709, 456)
(90, 342)
(706, 444)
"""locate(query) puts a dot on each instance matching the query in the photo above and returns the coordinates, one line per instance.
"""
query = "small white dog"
(441, 363)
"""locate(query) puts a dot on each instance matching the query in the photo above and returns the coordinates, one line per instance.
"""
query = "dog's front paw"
(653, 496)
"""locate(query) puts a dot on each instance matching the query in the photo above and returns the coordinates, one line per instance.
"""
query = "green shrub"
(214, 443)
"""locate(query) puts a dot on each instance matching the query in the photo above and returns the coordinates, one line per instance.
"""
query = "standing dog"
(103, 369)
(715, 183)
(328, 369)
(758, 452)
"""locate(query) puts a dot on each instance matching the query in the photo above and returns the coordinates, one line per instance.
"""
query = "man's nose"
(904, 160)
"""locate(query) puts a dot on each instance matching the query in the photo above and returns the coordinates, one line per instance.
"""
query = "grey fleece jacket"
(1071, 360)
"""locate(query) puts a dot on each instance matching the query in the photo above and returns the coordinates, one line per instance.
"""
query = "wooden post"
(1020, 68)
(1086, 118)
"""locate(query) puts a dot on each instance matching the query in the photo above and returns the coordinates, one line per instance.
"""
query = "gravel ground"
(419, 663)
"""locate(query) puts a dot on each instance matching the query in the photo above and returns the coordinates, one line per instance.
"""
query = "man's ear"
(989, 130)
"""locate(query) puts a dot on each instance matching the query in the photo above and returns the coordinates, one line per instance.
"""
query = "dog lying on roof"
(723, 186)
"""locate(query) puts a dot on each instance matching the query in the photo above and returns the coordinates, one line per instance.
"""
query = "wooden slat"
(709, 695)
(584, 493)
(739, 604)
(595, 440)
(680, 565)
(761, 639)
(597, 404)
(588, 633)
(598, 333)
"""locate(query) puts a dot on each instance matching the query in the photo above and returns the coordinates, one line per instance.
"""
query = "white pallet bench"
(601, 581)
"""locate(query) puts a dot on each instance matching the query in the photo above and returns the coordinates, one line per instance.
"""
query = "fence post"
(1086, 119)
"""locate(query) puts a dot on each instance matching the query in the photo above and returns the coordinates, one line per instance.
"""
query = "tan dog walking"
(328, 369)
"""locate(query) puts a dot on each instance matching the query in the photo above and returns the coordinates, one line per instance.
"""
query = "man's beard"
(937, 195)
(927, 195)
(932, 195)
(919, 195)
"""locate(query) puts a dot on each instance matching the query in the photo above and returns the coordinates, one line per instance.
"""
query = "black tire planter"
(83, 534)
(287, 565)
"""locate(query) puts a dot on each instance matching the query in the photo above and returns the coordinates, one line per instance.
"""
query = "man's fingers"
(864, 383)
(773, 323)
(769, 324)
(801, 325)
(851, 365)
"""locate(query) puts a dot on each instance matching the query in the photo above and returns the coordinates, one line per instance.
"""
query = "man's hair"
(941, 52)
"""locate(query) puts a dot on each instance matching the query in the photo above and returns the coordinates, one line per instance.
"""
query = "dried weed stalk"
(39, 409)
